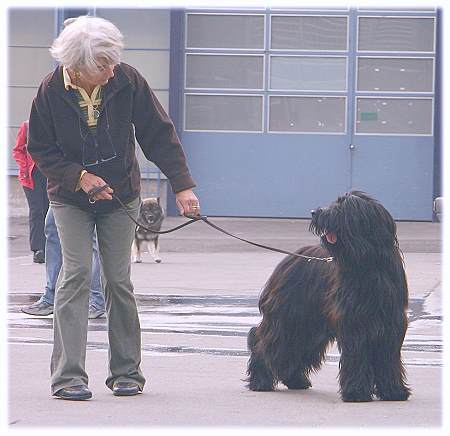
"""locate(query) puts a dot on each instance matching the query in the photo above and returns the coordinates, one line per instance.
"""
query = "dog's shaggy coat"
(359, 299)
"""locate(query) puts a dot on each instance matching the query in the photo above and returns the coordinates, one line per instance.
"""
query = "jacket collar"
(114, 85)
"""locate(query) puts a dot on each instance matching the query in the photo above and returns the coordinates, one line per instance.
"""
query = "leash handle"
(94, 191)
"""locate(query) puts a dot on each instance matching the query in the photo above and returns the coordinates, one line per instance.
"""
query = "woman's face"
(105, 72)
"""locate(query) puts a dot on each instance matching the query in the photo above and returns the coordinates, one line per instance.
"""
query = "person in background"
(34, 185)
(53, 262)
(83, 124)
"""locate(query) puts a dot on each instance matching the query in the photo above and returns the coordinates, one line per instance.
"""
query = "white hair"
(85, 41)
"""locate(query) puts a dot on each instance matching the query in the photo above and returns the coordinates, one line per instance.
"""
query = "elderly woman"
(82, 127)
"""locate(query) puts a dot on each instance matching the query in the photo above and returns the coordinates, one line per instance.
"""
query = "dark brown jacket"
(59, 138)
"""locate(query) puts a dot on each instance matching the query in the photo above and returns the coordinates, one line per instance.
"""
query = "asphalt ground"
(195, 309)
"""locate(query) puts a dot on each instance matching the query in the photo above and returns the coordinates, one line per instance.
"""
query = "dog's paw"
(302, 383)
(356, 397)
(158, 260)
(401, 394)
(261, 385)
(137, 261)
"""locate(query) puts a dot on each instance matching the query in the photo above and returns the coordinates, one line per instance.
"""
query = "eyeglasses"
(97, 147)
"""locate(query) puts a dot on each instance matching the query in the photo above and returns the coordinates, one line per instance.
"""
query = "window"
(394, 116)
(225, 31)
(402, 34)
(395, 74)
(307, 114)
(307, 73)
(239, 113)
(224, 71)
(308, 32)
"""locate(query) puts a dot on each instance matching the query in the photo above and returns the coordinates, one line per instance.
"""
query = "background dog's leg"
(390, 375)
(136, 250)
(260, 377)
(153, 249)
(356, 375)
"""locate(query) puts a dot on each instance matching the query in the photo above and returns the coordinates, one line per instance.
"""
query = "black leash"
(195, 218)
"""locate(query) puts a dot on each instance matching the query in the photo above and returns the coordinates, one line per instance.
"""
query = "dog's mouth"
(329, 236)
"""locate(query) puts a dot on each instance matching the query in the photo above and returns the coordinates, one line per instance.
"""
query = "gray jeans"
(115, 232)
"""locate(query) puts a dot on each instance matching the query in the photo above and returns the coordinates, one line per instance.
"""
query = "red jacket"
(23, 158)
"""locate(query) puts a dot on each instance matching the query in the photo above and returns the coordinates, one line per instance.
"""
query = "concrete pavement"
(195, 310)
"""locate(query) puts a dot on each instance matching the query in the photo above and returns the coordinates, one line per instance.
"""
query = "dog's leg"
(390, 380)
(356, 375)
(260, 377)
(310, 355)
(153, 248)
(136, 250)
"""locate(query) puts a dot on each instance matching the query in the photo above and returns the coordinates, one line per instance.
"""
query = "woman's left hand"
(187, 202)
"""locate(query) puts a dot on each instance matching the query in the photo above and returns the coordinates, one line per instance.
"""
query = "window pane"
(308, 73)
(396, 34)
(225, 31)
(394, 116)
(309, 33)
(222, 71)
(408, 75)
(224, 112)
(307, 114)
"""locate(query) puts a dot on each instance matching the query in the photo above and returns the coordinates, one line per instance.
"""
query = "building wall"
(285, 109)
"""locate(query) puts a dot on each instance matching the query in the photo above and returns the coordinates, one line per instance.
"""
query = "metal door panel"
(267, 175)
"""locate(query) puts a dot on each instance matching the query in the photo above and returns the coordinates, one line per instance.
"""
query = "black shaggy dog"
(359, 299)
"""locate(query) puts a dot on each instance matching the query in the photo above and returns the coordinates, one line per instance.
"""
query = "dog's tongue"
(331, 237)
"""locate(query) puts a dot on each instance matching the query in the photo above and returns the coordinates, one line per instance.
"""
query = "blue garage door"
(285, 110)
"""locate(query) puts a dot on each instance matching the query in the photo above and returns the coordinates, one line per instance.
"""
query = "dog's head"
(355, 226)
(151, 214)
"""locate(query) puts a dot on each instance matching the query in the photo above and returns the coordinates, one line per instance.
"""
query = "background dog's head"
(355, 226)
(151, 214)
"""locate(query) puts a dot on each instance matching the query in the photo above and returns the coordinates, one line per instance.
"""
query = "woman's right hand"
(90, 181)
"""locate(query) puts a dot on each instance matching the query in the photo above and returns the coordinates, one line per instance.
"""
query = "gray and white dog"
(151, 216)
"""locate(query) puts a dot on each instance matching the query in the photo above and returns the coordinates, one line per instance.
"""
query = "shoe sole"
(126, 394)
(37, 314)
(96, 316)
(80, 398)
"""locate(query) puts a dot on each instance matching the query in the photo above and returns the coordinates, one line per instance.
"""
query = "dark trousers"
(38, 205)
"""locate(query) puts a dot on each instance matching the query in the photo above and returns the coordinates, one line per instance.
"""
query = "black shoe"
(126, 389)
(76, 393)
(39, 256)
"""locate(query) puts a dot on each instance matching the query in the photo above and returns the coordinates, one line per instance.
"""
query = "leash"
(204, 218)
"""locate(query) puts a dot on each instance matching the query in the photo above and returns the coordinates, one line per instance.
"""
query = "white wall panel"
(142, 28)
(31, 27)
(20, 100)
(28, 66)
(153, 65)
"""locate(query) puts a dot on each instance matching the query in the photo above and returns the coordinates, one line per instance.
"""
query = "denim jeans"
(53, 262)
